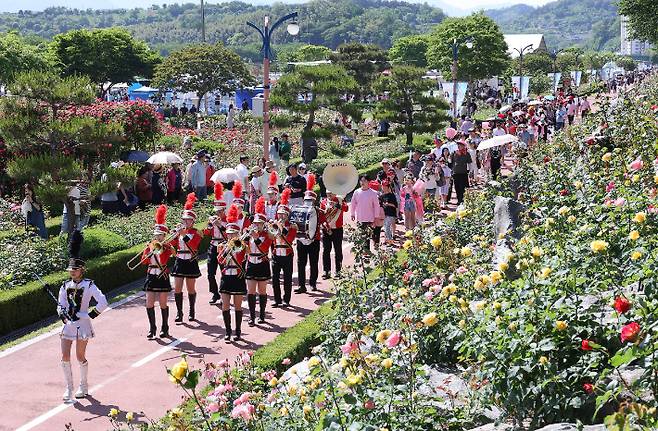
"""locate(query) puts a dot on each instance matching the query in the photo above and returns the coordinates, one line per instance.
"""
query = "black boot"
(238, 325)
(226, 314)
(262, 302)
(212, 282)
(178, 297)
(150, 312)
(251, 300)
(164, 332)
(192, 298)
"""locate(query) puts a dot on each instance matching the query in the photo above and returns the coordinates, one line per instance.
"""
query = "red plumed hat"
(285, 196)
(260, 205)
(219, 191)
(233, 214)
(160, 220)
(237, 189)
(310, 182)
(274, 178)
(189, 204)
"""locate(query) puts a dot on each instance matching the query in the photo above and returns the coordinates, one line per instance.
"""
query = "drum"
(306, 220)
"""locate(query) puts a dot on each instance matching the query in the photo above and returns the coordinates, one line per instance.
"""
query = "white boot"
(68, 378)
(83, 390)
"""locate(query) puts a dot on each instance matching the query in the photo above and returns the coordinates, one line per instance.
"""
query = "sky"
(448, 5)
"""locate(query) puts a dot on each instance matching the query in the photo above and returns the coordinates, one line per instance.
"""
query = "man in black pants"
(333, 210)
(216, 229)
(297, 185)
(308, 249)
(282, 256)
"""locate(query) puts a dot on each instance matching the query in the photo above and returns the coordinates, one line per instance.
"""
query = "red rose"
(588, 388)
(622, 304)
(591, 141)
(369, 405)
(547, 159)
(630, 332)
(564, 192)
(585, 345)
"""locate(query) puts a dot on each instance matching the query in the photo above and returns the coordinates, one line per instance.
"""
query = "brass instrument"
(340, 177)
(156, 248)
(233, 245)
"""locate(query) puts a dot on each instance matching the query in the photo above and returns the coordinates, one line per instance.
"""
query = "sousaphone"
(340, 177)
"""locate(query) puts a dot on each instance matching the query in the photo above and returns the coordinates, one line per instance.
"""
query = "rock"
(553, 427)
(506, 216)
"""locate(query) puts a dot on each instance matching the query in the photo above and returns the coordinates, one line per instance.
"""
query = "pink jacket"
(365, 205)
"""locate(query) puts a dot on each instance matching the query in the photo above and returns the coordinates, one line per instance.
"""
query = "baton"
(52, 295)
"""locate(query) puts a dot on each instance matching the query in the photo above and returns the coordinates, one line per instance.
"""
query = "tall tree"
(363, 62)
(203, 68)
(643, 18)
(106, 56)
(322, 86)
(410, 50)
(488, 56)
(17, 56)
(409, 101)
(312, 53)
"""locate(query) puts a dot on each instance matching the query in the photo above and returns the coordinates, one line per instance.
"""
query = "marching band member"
(256, 186)
(231, 258)
(333, 209)
(243, 221)
(155, 256)
(282, 252)
(258, 265)
(186, 266)
(216, 229)
(73, 308)
(308, 249)
(272, 194)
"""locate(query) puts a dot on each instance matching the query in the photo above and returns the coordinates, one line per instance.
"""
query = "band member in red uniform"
(333, 208)
(157, 285)
(243, 221)
(272, 195)
(308, 249)
(258, 263)
(232, 257)
(186, 266)
(216, 230)
(282, 252)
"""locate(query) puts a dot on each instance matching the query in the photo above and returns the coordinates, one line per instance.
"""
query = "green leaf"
(623, 357)
(192, 379)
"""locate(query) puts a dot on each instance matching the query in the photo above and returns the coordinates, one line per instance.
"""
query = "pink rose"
(369, 405)
(462, 270)
(212, 408)
(286, 361)
(429, 296)
(244, 398)
(224, 363)
(397, 305)
(619, 202)
(393, 339)
(348, 348)
(370, 316)
(245, 411)
(637, 164)
(610, 187)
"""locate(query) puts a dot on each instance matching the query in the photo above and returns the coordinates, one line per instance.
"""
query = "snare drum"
(306, 220)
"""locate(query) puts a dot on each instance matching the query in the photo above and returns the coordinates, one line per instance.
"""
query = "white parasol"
(164, 158)
(518, 113)
(225, 175)
(534, 103)
(505, 109)
(497, 141)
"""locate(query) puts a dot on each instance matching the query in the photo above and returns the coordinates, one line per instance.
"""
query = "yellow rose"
(607, 157)
(354, 379)
(480, 305)
(536, 252)
(430, 319)
(545, 272)
(176, 412)
(578, 184)
(486, 279)
(543, 360)
(503, 266)
(466, 252)
(113, 413)
(409, 234)
(636, 255)
(635, 178)
(407, 244)
(512, 326)
(344, 362)
(178, 371)
(478, 285)
(563, 211)
(274, 381)
(445, 292)
(452, 298)
(561, 325)
(497, 305)
(313, 362)
(461, 324)
(130, 416)
(655, 179)
(307, 409)
(496, 276)
(383, 335)
(436, 241)
(598, 246)
(634, 235)
(452, 288)
(571, 219)
(498, 320)
(387, 363)
(550, 221)
(403, 292)
(283, 411)
(640, 217)
(371, 359)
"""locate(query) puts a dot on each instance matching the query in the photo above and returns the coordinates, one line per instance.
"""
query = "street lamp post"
(203, 22)
(266, 35)
(554, 57)
(521, 51)
(455, 51)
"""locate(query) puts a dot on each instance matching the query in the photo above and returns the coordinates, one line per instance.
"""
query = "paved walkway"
(127, 371)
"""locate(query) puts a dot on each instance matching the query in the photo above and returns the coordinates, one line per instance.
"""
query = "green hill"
(322, 22)
(591, 24)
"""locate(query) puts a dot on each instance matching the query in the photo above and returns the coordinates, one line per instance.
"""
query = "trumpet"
(156, 248)
(274, 228)
(233, 245)
(212, 221)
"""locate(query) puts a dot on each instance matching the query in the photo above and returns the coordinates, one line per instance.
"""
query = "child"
(389, 203)
(411, 202)
(447, 174)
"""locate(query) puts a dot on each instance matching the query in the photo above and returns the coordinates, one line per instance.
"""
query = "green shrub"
(210, 146)
(100, 242)
(170, 143)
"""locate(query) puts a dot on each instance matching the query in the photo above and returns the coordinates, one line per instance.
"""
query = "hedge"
(101, 242)
(28, 304)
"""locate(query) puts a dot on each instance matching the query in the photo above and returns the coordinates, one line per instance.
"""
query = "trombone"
(156, 248)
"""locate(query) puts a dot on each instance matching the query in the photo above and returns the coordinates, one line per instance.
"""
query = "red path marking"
(126, 371)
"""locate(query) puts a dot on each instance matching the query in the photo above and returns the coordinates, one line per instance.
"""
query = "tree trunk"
(309, 122)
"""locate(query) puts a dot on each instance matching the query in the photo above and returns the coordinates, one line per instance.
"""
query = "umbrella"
(534, 103)
(225, 175)
(505, 109)
(134, 156)
(497, 141)
(549, 97)
(518, 113)
(164, 158)
(491, 100)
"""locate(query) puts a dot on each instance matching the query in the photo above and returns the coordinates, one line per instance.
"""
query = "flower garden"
(552, 321)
